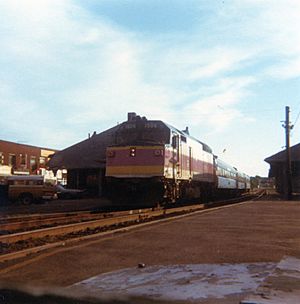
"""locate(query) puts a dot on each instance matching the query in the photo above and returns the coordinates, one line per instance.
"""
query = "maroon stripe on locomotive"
(147, 156)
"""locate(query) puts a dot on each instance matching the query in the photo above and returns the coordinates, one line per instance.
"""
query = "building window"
(33, 165)
(12, 160)
(1, 158)
(296, 169)
(42, 160)
(23, 158)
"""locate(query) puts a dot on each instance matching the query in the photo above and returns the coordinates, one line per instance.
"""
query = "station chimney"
(131, 116)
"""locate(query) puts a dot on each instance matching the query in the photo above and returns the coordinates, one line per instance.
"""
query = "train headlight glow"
(132, 152)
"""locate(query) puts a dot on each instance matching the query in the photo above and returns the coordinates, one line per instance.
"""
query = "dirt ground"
(261, 231)
(59, 205)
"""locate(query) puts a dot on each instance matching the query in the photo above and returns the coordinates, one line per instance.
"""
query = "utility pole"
(288, 168)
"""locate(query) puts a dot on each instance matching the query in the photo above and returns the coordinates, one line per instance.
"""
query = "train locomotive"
(153, 162)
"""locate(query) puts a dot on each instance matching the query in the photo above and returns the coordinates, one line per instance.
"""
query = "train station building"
(85, 162)
(278, 169)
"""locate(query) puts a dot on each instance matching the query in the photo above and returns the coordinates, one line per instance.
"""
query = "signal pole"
(288, 168)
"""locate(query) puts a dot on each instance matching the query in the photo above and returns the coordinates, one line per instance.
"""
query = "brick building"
(22, 159)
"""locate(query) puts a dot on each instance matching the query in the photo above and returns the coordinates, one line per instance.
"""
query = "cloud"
(227, 60)
(215, 112)
(67, 71)
(274, 33)
(75, 71)
(121, 86)
(281, 22)
(287, 69)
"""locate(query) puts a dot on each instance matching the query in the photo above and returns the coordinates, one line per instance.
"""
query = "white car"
(65, 193)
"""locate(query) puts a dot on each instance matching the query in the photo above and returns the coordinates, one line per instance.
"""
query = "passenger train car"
(229, 181)
(152, 162)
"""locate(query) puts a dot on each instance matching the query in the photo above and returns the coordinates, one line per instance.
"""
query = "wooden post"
(288, 170)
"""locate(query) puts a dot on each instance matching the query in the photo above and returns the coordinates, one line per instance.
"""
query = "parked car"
(65, 193)
(29, 188)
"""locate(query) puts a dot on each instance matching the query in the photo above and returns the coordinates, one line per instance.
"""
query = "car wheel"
(26, 198)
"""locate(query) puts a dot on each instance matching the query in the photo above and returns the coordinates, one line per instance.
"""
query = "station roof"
(89, 153)
(280, 156)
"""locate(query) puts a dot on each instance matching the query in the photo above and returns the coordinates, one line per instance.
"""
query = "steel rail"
(94, 224)
(39, 216)
(60, 219)
(20, 225)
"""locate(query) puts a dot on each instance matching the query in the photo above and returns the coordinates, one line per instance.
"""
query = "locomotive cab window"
(175, 141)
(142, 132)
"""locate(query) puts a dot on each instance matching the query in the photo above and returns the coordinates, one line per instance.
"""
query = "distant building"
(266, 183)
(278, 168)
(20, 159)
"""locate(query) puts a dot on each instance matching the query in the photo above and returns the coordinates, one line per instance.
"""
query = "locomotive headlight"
(132, 152)
(158, 152)
(111, 153)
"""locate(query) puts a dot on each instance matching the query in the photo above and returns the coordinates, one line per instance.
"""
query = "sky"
(226, 69)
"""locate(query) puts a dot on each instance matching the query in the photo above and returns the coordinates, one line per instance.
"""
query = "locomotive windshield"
(142, 131)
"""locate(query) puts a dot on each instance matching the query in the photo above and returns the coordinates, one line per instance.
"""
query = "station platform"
(202, 283)
(281, 286)
(223, 256)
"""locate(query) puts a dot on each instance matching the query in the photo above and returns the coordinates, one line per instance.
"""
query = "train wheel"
(206, 194)
(26, 198)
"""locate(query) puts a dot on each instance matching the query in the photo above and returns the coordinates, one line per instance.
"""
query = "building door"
(12, 161)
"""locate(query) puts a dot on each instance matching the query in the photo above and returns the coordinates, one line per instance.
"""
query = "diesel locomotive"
(152, 162)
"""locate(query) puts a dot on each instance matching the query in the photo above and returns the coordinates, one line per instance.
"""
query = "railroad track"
(106, 221)
(63, 230)
(20, 224)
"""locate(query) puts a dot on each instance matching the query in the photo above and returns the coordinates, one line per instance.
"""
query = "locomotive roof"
(143, 119)
(225, 165)
(205, 146)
